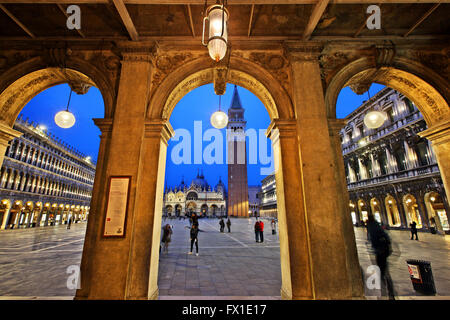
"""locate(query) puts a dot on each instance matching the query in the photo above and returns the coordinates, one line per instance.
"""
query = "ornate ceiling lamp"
(217, 16)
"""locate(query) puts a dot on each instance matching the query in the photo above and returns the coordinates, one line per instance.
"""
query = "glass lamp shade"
(374, 119)
(219, 119)
(217, 39)
(65, 119)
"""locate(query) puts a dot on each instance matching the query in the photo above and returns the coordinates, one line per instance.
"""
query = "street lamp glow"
(374, 119)
(219, 119)
(65, 119)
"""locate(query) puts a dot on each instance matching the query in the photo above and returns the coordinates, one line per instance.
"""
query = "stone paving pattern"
(34, 262)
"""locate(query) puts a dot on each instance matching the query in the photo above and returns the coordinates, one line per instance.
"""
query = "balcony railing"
(386, 129)
(406, 174)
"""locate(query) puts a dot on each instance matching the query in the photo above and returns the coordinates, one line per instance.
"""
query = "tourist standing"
(222, 224)
(413, 226)
(257, 229)
(69, 223)
(166, 238)
(273, 225)
(261, 231)
(194, 239)
(229, 225)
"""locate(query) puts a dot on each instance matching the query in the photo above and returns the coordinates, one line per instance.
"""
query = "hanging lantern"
(374, 119)
(219, 119)
(217, 16)
(65, 119)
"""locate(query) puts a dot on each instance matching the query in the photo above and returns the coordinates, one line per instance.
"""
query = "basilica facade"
(196, 197)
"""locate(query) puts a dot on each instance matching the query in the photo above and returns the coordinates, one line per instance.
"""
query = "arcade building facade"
(197, 197)
(391, 171)
(43, 181)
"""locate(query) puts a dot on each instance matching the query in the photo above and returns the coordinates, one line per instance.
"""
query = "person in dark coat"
(229, 225)
(258, 230)
(222, 224)
(194, 238)
(413, 226)
(381, 244)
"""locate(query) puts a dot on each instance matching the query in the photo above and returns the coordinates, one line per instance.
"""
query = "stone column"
(145, 241)
(295, 243)
(353, 267)
(326, 218)
(6, 135)
(108, 264)
(439, 135)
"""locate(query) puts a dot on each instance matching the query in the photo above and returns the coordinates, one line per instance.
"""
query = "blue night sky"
(198, 105)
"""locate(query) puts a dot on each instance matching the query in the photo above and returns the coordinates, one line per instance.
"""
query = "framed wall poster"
(116, 208)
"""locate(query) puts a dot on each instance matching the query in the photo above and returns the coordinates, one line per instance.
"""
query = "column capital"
(281, 128)
(303, 51)
(7, 133)
(161, 128)
(438, 133)
(104, 124)
(132, 52)
(336, 125)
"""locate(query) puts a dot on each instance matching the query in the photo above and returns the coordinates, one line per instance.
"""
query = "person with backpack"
(381, 244)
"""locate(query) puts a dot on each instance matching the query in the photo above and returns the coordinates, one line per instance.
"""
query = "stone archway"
(312, 235)
(24, 81)
(428, 90)
(282, 133)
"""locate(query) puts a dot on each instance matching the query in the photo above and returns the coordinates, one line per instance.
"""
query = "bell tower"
(237, 159)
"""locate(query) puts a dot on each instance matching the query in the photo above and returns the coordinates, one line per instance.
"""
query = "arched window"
(192, 196)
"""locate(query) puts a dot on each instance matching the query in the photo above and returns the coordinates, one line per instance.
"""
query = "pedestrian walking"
(229, 225)
(381, 243)
(194, 239)
(273, 225)
(69, 223)
(166, 238)
(222, 224)
(413, 226)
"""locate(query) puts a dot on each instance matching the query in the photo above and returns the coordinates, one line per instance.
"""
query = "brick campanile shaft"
(237, 159)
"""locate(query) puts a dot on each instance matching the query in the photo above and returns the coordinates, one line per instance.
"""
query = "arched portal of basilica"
(295, 56)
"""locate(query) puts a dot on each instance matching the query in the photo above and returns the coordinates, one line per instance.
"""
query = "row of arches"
(212, 210)
(23, 152)
(16, 180)
(401, 211)
(296, 198)
(27, 214)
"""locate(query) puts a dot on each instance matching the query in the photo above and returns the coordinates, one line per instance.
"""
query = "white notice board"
(116, 208)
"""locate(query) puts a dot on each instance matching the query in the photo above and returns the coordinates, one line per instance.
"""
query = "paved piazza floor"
(34, 262)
